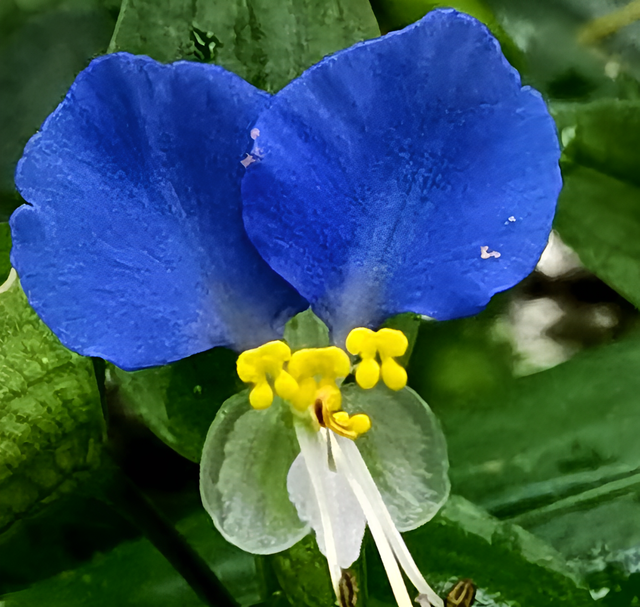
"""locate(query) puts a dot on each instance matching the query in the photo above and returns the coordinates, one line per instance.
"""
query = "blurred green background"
(539, 395)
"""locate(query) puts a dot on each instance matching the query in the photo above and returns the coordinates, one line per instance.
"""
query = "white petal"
(347, 518)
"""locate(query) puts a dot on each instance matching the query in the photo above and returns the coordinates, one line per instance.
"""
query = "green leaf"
(178, 401)
(84, 539)
(39, 58)
(602, 135)
(549, 435)
(51, 424)
(599, 217)
(306, 330)
(5, 250)
(135, 573)
(555, 61)
(509, 565)
(599, 207)
(396, 14)
(463, 362)
(267, 43)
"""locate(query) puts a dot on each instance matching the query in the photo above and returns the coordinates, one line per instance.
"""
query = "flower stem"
(123, 495)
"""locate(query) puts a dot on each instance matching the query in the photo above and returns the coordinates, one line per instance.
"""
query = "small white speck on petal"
(512, 219)
(486, 254)
(247, 160)
(255, 133)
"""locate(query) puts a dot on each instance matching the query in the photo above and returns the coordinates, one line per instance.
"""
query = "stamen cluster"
(310, 379)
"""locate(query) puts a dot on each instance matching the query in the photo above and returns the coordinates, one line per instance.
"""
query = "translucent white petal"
(405, 451)
(243, 476)
(347, 519)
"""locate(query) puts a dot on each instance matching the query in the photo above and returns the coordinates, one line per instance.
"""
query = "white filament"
(384, 549)
(350, 463)
(313, 447)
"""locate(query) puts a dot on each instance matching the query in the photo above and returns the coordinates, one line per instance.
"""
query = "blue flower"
(407, 173)
(171, 209)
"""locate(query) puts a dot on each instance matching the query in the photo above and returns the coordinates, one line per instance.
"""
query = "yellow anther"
(306, 394)
(362, 341)
(258, 365)
(348, 426)
(387, 344)
(391, 342)
(331, 397)
(286, 387)
(261, 396)
(360, 423)
(368, 373)
(393, 375)
(341, 417)
(323, 363)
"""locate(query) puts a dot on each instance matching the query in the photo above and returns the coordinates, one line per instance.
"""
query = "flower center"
(309, 379)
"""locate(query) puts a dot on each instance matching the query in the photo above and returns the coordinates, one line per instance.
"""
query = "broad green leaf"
(61, 537)
(603, 135)
(599, 207)
(243, 475)
(135, 573)
(509, 565)
(599, 217)
(597, 534)
(267, 43)
(463, 362)
(41, 52)
(178, 401)
(549, 435)
(80, 536)
(51, 424)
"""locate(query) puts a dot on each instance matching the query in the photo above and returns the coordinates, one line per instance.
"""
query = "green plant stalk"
(121, 493)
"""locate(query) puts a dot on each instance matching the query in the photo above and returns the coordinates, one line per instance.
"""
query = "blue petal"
(384, 171)
(133, 248)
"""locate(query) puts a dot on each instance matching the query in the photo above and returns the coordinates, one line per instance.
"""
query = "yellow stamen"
(327, 363)
(340, 422)
(310, 381)
(259, 365)
(388, 344)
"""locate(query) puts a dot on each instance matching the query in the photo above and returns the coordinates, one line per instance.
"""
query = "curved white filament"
(313, 447)
(350, 463)
(384, 549)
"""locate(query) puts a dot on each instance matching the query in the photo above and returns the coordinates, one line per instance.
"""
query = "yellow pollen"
(387, 344)
(341, 422)
(265, 363)
(308, 380)
(316, 370)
